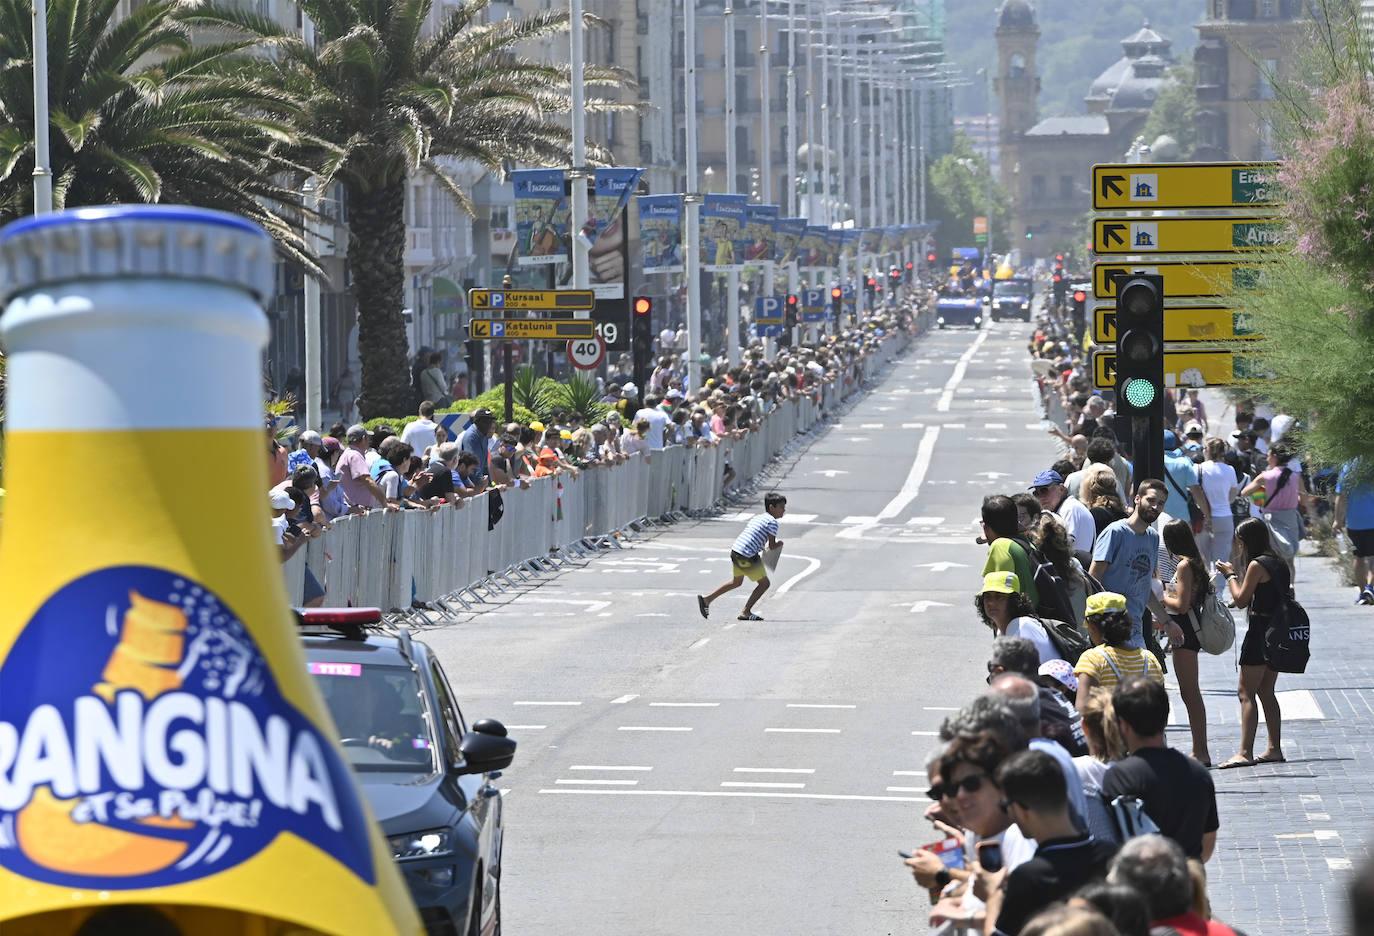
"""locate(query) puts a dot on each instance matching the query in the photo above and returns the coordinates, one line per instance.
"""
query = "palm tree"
(394, 100)
(141, 114)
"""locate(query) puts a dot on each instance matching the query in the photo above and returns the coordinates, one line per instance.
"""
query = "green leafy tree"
(1174, 113)
(141, 114)
(959, 187)
(391, 101)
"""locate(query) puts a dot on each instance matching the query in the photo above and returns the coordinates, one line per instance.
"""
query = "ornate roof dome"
(1016, 14)
(1106, 83)
(1135, 80)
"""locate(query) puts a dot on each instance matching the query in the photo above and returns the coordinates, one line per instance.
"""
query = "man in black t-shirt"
(1176, 791)
(1035, 797)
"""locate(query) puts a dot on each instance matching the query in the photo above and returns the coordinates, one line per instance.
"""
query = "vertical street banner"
(892, 239)
(760, 233)
(790, 232)
(813, 247)
(660, 233)
(849, 246)
(834, 242)
(722, 233)
(871, 240)
(604, 230)
(541, 216)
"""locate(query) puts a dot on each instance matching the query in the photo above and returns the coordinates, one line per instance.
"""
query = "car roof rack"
(349, 623)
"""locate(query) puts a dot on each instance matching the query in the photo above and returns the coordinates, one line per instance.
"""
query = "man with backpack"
(1007, 552)
(1126, 557)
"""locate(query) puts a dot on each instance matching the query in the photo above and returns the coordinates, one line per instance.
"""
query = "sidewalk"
(1292, 833)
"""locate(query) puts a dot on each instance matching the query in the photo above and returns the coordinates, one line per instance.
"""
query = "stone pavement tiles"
(1292, 834)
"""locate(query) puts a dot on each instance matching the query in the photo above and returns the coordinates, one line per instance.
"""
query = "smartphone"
(990, 855)
(906, 856)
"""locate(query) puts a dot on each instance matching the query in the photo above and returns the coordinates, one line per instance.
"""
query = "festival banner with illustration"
(541, 216)
(604, 231)
(814, 247)
(849, 245)
(789, 232)
(892, 239)
(834, 240)
(723, 240)
(660, 233)
(759, 232)
(870, 240)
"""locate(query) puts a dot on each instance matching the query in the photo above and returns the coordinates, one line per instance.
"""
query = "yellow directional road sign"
(1182, 279)
(1185, 235)
(1182, 369)
(538, 300)
(1183, 324)
(526, 329)
(1154, 186)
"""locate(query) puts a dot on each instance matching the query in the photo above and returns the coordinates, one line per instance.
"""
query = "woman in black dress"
(1183, 597)
(1266, 580)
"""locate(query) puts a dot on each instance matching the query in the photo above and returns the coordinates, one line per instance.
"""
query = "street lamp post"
(766, 125)
(731, 317)
(313, 391)
(580, 260)
(692, 249)
(42, 162)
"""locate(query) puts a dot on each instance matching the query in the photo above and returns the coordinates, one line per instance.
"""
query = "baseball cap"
(1193, 428)
(630, 389)
(331, 444)
(356, 431)
(537, 426)
(482, 413)
(1047, 478)
(565, 435)
(1003, 583)
(674, 394)
(1170, 440)
(1105, 602)
(1060, 671)
(282, 500)
(310, 437)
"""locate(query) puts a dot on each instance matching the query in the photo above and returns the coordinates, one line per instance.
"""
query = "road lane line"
(684, 704)
(908, 773)
(600, 782)
(782, 770)
(941, 708)
(625, 698)
(891, 789)
(803, 730)
(926, 734)
(812, 564)
(817, 705)
(960, 368)
(526, 727)
(912, 485)
(595, 767)
(546, 703)
(653, 728)
(754, 794)
(759, 785)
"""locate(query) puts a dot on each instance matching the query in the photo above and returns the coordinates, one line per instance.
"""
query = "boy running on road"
(746, 556)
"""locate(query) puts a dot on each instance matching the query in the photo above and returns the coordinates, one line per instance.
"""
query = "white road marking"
(913, 425)
(818, 705)
(546, 703)
(870, 425)
(960, 367)
(659, 613)
(802, 730)
(1035, 425)
(941, 566)
(940, 708)
(760, 785)
(925, 521)
(812, 564)
(831, 472)
(922, 606)
(600, 782)
(994, 425)
(698, 644)
(903, 789)
(653, 728)
(1339, 864)
(909, 773)
(747, 793)
(912, 485)
(925, 734)
(856, 519)
(526, 727)
(590, 606)
(684, 704)
(596, 767)
(780, 770)
(954, 425)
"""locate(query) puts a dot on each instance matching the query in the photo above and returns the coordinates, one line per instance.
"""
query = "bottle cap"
(142, 241)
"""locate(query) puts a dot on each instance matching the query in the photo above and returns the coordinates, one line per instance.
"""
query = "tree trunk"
(376, 259)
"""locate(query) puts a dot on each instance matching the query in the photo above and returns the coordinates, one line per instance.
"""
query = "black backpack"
(1288, 632)
(1049, 584)
(1067, 639)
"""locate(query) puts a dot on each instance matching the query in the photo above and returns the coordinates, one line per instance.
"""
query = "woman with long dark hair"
(1182, 599)
(1049, 535)
(1009, 613)
(1265, 582)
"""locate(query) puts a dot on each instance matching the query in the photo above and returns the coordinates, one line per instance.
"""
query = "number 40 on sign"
(586, 353)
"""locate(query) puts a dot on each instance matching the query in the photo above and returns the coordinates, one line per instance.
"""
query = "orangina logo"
(144, 742)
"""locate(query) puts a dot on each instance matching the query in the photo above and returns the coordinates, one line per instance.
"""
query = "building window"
(1268, 71)
(1017, 67)
(1218, 9)
(1037, 189)
(1268, 9)
(1066, 187)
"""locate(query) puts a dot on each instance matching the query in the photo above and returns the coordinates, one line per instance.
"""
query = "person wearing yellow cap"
(1009, 612)
(1113, 660)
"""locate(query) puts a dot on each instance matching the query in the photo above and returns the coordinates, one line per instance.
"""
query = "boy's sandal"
(751, 616)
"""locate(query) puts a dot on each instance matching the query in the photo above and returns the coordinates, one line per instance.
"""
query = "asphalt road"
(681, 776)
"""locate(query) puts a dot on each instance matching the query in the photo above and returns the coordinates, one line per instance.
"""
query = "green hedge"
(492, 400)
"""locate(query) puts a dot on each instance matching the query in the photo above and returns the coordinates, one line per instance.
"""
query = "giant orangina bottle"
(165, 762)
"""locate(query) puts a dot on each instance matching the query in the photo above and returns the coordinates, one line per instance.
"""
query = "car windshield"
(380, 712)
(1011, 289)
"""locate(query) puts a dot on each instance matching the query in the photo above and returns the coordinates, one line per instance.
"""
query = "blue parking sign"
(768, 331)
(498, 329)
(768, 309)
(498, 300)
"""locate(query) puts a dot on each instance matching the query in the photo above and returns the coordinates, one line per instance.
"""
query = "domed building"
(1046, 165)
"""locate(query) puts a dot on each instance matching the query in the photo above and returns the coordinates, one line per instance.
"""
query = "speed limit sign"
(586, 353)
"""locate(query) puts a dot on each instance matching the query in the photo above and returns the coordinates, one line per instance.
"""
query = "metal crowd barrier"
(394, 559)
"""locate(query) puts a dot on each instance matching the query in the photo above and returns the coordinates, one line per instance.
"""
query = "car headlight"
(426, 844)
(1025, 305)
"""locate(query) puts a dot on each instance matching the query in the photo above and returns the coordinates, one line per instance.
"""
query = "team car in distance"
(427, 775)
(1012, 298)
(956, 307)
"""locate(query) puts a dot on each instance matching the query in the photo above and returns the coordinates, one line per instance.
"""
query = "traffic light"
(789, 312)
(836, 302)
(1061, 288)
(1079, 311)
(641, 337)
(1140, 366)
(910, 270)
(871, 288)
(930, 258)
(894, 276)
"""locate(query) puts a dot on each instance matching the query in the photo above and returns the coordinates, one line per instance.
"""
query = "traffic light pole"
(731, 317)
(692, 248)
(1139, 366)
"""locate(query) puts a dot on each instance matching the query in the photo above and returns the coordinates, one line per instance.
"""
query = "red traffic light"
(1058, 278)
(930, 257)
(1058, 258)
(872, 282)
(910, 265)
(792, 301)
(1080, 296)
(643, 305)
(836, 292)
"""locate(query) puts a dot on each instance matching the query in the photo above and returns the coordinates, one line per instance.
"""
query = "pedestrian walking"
(1265, 583)
(1219, 484)
(1281, 484)
(1183, 599)
(1355, 515)
(746, 557)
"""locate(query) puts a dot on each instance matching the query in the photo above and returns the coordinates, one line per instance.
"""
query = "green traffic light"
(1140, 393)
